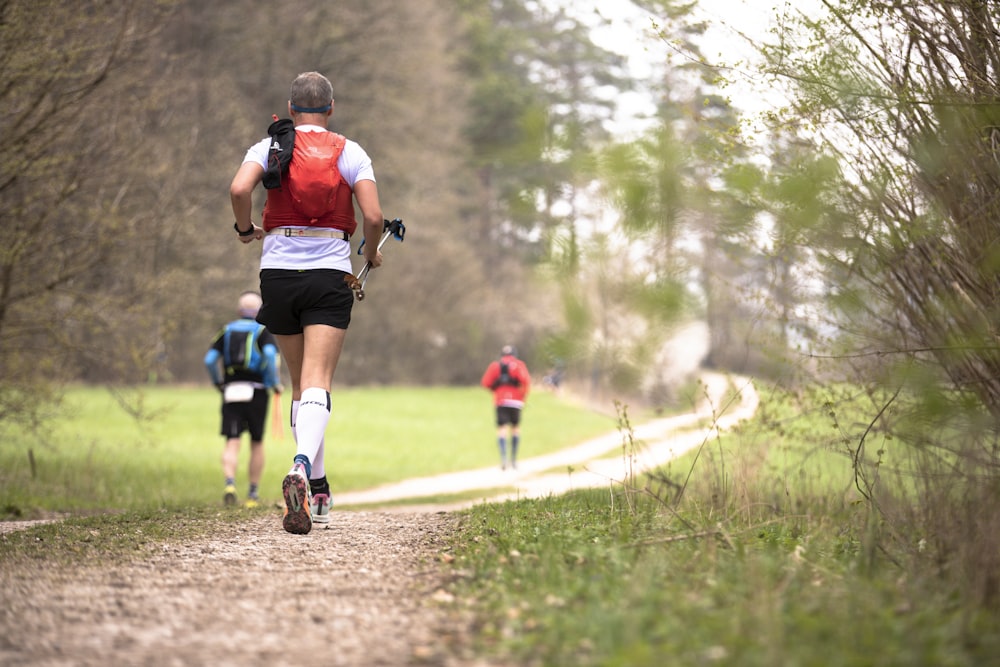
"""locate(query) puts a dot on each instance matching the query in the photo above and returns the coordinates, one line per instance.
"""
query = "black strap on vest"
(279, 155)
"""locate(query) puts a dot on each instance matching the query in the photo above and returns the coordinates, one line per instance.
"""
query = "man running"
(509, 380)
(305, 260)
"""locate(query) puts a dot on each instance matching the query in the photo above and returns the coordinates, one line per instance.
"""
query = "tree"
(60, 306)
(905, 96)
(691, 236)
(540, 98)
(506, 126)
(129, 185)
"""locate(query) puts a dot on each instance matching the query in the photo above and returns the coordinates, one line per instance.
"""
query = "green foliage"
(905, 213)
(504, 127)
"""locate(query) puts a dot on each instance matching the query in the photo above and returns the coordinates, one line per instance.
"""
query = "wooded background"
(856, 221)
(842, 241)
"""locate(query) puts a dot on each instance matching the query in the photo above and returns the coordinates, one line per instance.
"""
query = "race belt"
(322, 233)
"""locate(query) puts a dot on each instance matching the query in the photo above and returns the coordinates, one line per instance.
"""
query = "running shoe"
(295, 488)
(251, 503)
(320, 506)
(230, 496)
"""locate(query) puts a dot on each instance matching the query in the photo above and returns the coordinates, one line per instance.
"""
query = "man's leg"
(515, 441)
(230, 459)
(291, 349)
(502, 445)
(314, 359)
(322, 346)
(319, 488)
(256, 467)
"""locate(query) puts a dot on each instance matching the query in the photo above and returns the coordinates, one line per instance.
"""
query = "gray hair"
(311, 90)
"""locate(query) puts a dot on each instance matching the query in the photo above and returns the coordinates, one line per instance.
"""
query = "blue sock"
(230, 481)
(304, 460)
(514, 442)
(503, 448)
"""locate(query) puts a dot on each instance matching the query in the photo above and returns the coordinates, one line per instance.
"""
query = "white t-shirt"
(308, 252)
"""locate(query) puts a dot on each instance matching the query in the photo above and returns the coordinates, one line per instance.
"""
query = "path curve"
(586, 465)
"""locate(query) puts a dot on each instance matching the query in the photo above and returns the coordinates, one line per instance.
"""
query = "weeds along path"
(365, 592)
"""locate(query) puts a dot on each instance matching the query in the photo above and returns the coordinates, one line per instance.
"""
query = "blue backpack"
(240, 347)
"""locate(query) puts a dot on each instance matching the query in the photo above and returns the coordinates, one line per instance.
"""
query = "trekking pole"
(394, 228)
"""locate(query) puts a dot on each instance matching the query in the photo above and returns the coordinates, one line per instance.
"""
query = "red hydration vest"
(312, 193)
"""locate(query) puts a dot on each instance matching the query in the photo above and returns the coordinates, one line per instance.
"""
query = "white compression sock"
(311, 420)
(318, 466)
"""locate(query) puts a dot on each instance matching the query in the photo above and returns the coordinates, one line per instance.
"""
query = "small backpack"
(308, 163)
(505, 379)
(240, 347)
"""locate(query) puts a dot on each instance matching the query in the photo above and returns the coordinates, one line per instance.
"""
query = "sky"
(630, 31)
(731, 24)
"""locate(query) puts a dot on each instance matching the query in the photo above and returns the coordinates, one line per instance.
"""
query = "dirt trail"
(365, 592)
(360, 593)
(586, 465)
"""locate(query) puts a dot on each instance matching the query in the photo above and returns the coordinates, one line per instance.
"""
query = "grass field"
(159, 446)
(757, 550)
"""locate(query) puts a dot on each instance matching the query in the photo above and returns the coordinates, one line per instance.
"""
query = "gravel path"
(365, 592)
(361, 593)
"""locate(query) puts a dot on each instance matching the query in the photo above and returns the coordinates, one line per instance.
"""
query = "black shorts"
(508, 415)
(249, 416)
(296, 299)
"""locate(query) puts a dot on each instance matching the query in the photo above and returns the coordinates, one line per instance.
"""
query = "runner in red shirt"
(509, 380)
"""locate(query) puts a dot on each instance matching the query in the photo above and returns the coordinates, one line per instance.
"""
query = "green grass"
(159, 446)
(767, 558)
(565, 581)
(389, 434)
(757, 550)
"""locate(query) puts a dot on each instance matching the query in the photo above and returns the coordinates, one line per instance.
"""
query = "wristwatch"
(246, 233)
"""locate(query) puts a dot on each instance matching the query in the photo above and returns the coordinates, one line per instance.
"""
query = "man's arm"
(212, 366)
(366, 194)
(241, 197)
(271, 378)
(525, 378)
(490, 376)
